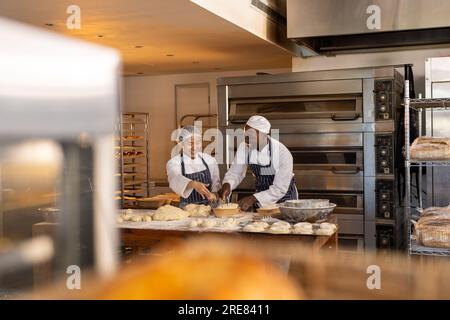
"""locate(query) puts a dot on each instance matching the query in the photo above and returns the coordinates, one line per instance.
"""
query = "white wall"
(416, 57)
(156, 95)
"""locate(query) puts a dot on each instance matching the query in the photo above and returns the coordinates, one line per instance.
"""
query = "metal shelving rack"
(132, 153)
(419, 104)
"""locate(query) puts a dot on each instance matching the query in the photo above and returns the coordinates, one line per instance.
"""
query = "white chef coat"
(282, 162)
(178, 183)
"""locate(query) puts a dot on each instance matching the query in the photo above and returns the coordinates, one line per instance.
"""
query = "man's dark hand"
(225, 191)
(247, 203)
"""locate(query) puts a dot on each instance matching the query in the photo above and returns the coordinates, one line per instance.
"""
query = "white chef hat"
(259, 123)
(186, 132)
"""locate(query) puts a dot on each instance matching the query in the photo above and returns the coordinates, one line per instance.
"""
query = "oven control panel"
(383, 99)
(385, 199)
(384, 153)
(385, 237)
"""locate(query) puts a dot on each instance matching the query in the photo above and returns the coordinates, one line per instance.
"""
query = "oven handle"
(337, 171)
(348, 118)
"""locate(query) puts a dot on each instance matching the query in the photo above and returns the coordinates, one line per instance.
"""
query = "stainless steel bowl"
(294, 215)
(307, 203)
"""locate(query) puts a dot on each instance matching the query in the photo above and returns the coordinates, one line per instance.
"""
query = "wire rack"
(419, 104)
(132, 154)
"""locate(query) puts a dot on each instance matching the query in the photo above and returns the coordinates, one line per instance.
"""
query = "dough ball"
(147, 218)
(280, 227)
(198, 210)
(326, 229)
(125, 216)
(190, 207)
(230, 223)
(328, 226)
(209, 223)
(258, 226)
(303, 228)
(136, 218)
(169, 213)
(324, 232)
(196, 223)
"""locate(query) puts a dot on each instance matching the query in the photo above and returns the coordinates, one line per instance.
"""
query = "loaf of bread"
(430, 148)
(433, 227)
(435, 212)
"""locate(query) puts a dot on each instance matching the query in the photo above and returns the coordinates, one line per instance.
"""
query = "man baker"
(271, 164)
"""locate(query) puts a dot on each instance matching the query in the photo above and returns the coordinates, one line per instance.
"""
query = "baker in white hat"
(270, 162)
(193, 175)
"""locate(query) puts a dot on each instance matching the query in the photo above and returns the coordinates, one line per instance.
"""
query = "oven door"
(330, 169)
(307, 109)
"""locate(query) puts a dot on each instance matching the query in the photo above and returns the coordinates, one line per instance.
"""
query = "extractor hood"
(264, 18)
(334, 26)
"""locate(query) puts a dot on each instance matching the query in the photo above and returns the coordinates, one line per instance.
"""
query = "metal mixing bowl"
(307, 203)
(313, 215)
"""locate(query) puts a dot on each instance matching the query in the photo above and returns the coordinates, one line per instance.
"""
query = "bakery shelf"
(134, 183)
(134, 165)
(428, 163)
(133, 191)
(421, 250)
(134, 169)
(134, 131)
(134, 157)
(442, 103)
(131, 122)
(411, 212)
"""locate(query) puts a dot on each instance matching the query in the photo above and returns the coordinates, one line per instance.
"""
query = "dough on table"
(326, 229)
(280, 227)
(230, 223)
(195, 223)
(209, 223)
(328, 226)
(324, 232)
(126, 216)
(146, 218)
(119, 219)
(258, 226)
(198, 210)
(303, 228)
(169, 213)
(136, 218)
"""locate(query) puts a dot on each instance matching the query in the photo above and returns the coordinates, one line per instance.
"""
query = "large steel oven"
(340, 126)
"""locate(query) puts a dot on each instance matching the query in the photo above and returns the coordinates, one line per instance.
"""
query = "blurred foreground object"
(59, 102)
(216, 268)
(203, 270)
(28, 253)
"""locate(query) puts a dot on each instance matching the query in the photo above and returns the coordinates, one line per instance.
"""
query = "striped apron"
(201, 176)
(264, 176)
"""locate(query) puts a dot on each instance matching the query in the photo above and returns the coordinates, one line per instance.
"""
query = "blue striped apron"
(201, 176)
(264, 176)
